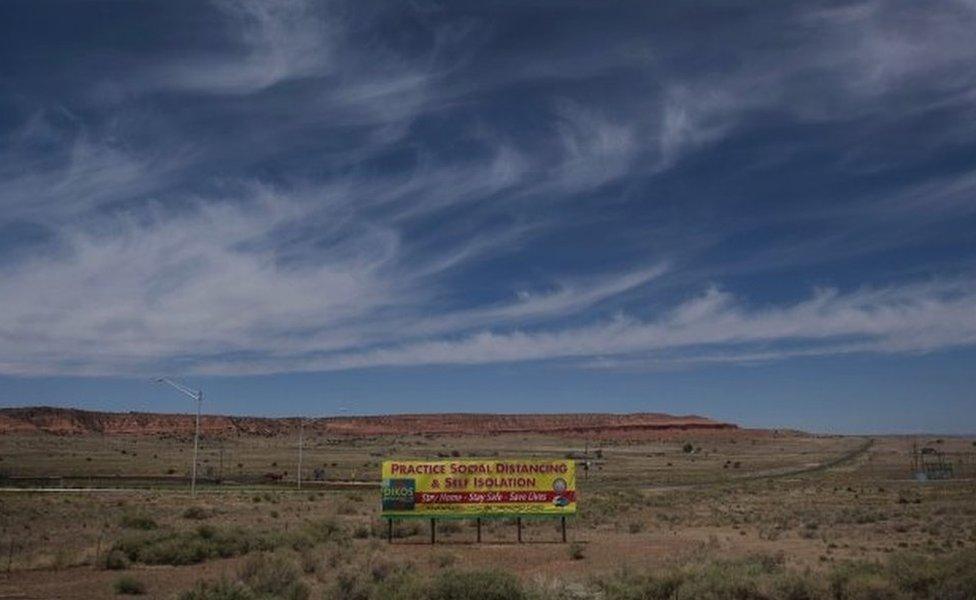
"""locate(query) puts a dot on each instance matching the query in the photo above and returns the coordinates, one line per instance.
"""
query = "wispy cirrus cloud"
(54, 167)
(266, 43)
(716, 327)
(320, 186)
(125, 295)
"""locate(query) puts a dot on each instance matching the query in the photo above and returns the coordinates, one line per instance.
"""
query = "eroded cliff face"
(68, 421)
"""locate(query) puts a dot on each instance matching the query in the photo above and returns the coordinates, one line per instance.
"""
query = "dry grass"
(642, 522)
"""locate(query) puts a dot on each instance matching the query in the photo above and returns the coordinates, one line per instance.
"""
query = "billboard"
(476, 488)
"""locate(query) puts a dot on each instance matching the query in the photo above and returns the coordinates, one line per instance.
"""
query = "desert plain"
(96, 505)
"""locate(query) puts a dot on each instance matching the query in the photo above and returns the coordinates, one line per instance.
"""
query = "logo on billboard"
(398, 494)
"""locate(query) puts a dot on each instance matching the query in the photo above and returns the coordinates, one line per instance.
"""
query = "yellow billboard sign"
(473, 488)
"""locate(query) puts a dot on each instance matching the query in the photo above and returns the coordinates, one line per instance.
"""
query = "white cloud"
(276, 41)
(216, 280)
(872, 59)
(912, 318)
(53, 169)
(350, 267)
(595, 150)
(569, 299)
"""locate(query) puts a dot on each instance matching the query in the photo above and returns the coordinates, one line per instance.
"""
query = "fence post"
(10, 555)
(98, 548)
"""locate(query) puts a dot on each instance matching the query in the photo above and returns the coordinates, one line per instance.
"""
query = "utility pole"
(301, 443)
(198, 396)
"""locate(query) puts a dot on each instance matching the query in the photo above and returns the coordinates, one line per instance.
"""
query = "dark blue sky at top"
(760, 213)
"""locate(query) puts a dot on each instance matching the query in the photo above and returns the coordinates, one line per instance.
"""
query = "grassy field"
(716, 456)
(770, 514)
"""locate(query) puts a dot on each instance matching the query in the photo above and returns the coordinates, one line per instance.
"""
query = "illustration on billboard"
(478, 488)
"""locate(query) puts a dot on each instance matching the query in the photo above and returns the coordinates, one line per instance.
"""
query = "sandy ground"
(815, 501)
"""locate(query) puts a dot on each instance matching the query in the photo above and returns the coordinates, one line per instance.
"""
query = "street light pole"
(198, 396)
(196, 445)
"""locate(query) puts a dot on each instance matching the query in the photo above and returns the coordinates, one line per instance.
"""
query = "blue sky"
(765, 214)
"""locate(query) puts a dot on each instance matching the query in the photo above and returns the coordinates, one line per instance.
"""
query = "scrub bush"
(197, 513)
(222, 589)
(129, 586)
(273, 575)
(116, 560)
(136, 521)
(476, 585)
(576, 551)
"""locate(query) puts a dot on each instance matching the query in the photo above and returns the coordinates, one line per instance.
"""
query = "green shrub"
(742, 578)
(957, 586)
(361, 532)
(766, 577)
(476, 585)
(179, 550)
(719, 582)
(206, 532)
(262, 576)
(197, 513)
(649, 586)
(576, 551)
(444, 559)
(792, 586)
(309, 562)
(848, 576)
(959, 577)
(381, 569)
(273, 575)
(914, 574)
(754, 577)
(402, 585)
(871, 587)
(324, 530)
(116, 560)
(222, 589)
(315, 532)
(406, 529)
(129, 586)
(950, 577)
(350, 585)
(187, 548)
(137, 521)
